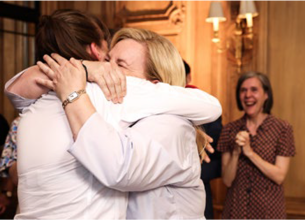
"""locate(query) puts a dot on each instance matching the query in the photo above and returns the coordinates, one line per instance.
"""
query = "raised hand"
(65, 76)
(208, 147)
(109, 78)
(243, 140)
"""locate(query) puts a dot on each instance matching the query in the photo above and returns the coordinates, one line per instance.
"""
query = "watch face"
(72, 96)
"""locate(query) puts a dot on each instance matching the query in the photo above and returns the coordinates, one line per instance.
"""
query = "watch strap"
(67, 101)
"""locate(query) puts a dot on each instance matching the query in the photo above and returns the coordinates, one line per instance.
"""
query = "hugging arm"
(193, 104)
(156, 151)
(22, 89)
(160, 98)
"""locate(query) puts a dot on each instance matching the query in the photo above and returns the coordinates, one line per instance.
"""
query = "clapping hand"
(243, 140)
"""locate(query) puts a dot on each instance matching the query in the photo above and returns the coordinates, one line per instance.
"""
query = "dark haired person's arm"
(23, 88)
(160, 98)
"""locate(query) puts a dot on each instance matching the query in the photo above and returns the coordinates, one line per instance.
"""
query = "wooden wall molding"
(262, 51)
(166, 20)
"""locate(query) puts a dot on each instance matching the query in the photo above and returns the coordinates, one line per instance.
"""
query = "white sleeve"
(145, 98)
(153, 153)
(18, 102)
(148, 99)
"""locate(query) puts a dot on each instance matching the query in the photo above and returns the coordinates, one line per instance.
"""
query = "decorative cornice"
(166, 21)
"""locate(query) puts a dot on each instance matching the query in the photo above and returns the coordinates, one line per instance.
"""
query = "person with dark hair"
(256, 151)
(209, 170)
(9, 153)
(111, 155)
(8, 172)
(4, 130)
(187, 69)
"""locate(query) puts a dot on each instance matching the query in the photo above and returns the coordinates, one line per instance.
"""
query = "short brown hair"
(265, 84)
(68, 33)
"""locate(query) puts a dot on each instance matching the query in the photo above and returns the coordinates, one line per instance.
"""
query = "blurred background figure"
(256, 154)
(210, 170)
(8, 173)
(4, 128)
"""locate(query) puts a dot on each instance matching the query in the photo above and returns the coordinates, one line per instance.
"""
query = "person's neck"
(254, 122)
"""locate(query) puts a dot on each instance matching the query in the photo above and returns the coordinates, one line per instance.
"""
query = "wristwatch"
(73, 96)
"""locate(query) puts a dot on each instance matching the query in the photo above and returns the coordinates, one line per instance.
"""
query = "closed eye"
(121, 63)
(107, 58)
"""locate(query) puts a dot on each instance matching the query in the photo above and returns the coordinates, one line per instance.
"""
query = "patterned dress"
(9, 153)
(252, 194)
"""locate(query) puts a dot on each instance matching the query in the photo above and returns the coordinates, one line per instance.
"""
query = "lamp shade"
(247, 7)
(215, 12)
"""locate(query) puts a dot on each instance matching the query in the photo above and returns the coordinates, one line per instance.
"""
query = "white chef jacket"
(52, 184)
(164, 175)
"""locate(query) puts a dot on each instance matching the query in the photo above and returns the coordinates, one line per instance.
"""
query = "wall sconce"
(215, 16)
(248, 10)
(241, 42)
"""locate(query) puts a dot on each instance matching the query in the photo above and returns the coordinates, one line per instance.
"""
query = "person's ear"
(266, 96)
(95, 51)
(155, 81)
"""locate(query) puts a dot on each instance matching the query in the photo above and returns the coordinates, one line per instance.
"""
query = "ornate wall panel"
(164, 17)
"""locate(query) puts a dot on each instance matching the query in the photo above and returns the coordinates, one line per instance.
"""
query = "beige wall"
(286, 68)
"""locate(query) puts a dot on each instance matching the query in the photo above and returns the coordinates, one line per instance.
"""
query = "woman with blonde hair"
(164, 63)
(134, 51)
(150, 155)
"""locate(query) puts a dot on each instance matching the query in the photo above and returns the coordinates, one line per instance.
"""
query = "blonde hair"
(163, 62)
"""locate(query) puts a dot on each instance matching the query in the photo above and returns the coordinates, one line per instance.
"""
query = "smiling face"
(130, 56)
(252, 97)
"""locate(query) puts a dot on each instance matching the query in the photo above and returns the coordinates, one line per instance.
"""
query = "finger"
(244, 134)
(209, 139)
(110, 84)
(122, 78)
(207, 159)
(51, 63)
(240, 137)
(76, 63)
(59, 59)
(102, 84)
(46, 83)
(239, 134)
(123, 84)
(240, 143)
(237, 142)
(117, 82)
(202, 156)
(46, 70)
(209, 148)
